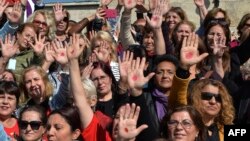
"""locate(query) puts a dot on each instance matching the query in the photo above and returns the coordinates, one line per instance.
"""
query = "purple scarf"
(161, 102)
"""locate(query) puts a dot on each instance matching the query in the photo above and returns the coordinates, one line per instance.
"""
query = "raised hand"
(100, 13)
(128, 116)
(16, 13)
(60, 50)
(124, 64)
(49, 53)
(156, 19)
(92, 34)
(189, 54)
(8, 48)
(105, 2)
(136, 79)
(129, 4)
(3, 5)
(39, 45)
(58, 12)
(199, 3)
(140, 2)
(103, 52)
(74, 50)
(219, 46)
(85, 72)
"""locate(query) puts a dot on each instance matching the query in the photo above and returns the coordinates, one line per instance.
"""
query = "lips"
(4, 107)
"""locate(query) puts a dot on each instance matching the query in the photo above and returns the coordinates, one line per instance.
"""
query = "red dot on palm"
(72, 52)
(126, 129)
(189, 55)
(134, 78)
(129, 1)
(62, 54)
(154, 18)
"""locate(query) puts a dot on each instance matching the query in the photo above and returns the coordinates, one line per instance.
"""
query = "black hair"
(10, 87)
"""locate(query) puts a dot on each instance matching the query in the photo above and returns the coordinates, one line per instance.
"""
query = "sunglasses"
(35, 125)
(66, 19)
(220, 21)
(44, 24)
(209, 96)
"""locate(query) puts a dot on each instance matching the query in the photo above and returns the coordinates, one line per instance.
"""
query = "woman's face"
(215, 34)
(40, 23)
(34, 84)
(246, 26)
(172, 19)
(58, 129)
(181, 127)
(63, 25)
(7, 105)
(101, 81)
(210, 101)
(148, 42)
(8, 11)
(103, 48)
(26, 37)
(184, 30)
(164, 75)
(34, 130)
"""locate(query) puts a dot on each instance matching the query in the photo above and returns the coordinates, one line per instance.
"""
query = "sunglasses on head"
(35, 125)
(220, 21)
(209, 96)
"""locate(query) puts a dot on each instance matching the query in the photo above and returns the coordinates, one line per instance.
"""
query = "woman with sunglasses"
(9, 96)
(32, 123)
(209, 97)
(184, 123)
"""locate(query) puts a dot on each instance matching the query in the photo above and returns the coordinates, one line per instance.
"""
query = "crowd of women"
(158, 78)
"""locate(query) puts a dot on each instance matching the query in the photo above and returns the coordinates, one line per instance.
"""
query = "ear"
(93, 101)
(76, 134)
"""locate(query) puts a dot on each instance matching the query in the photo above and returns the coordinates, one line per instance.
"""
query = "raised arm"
(125, 34)
(155, 22)
(200, 4)
(85, 111)
(189, 56)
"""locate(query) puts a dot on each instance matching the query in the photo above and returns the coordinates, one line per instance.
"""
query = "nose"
(212, 100)
(5, 100)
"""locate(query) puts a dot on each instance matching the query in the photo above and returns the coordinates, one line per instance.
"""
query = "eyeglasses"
(35, 125)
(187, 124)
(44, 24)
(209, 96)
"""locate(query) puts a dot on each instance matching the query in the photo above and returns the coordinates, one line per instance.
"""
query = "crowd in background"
(104, 78)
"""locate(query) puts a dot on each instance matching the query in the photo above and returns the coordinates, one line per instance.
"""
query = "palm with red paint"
(128, 116)
(60, 50)
(189, 54)
(129, 4)
(156, 19)
(136, 78)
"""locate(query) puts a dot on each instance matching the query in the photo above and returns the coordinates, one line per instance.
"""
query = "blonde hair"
(49, 18)
(48, 85)
(89, 88)
(105, 36)
(227, 112)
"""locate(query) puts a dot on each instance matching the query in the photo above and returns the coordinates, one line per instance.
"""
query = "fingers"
(141, 128)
